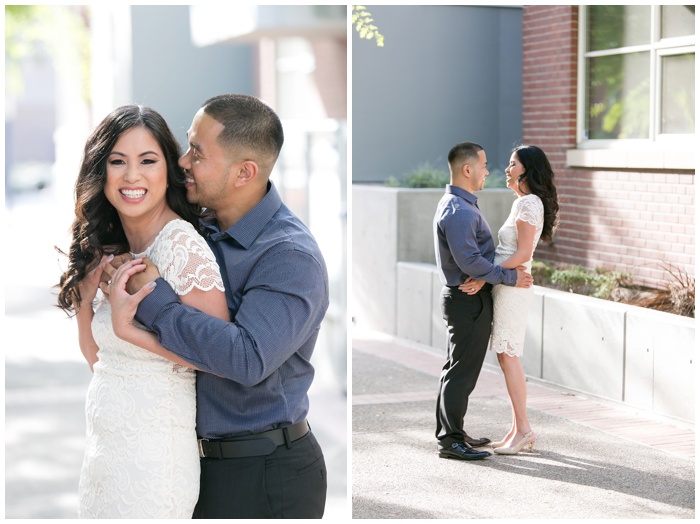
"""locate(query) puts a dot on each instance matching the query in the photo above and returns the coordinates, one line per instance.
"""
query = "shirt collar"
(247, 229)
(463, 193)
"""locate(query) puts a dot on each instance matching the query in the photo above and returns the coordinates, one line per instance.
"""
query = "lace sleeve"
(530, 210)
(187, 262)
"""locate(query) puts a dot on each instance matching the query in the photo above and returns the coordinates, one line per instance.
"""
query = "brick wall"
(627, 220)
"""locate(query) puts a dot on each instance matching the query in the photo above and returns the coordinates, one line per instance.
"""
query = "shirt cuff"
(511, 277)
(151, 306)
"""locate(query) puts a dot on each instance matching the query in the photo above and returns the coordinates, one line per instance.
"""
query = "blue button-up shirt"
(463, 242)
(256, 369)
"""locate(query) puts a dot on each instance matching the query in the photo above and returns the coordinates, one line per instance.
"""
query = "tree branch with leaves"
(362, 20)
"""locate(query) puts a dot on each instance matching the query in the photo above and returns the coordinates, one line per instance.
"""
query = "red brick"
(600, 211)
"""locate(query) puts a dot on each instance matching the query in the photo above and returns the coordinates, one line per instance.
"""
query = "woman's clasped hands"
(89, 285)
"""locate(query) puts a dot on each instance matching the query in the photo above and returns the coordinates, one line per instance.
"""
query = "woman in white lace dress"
(141, 458)
(532, 216)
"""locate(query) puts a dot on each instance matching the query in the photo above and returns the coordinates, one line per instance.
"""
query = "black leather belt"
(252, 445)
(457, 291)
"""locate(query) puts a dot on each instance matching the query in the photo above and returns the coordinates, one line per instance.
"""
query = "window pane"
(618, 96)
(613, 26)
(678, 94)
(677, 20)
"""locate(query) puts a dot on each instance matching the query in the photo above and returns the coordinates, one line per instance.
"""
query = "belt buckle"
(201, 448)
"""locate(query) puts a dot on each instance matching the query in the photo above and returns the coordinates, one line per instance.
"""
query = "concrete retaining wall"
(628, 354)
(396, 224)
(641, 357)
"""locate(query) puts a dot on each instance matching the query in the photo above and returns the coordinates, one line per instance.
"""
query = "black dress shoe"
(477, 442)
(461, 451)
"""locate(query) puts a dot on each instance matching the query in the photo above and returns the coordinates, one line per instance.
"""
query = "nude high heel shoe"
(499, 444)
(527, 443)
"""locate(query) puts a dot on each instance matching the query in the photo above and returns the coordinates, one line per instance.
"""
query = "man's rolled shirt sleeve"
(463, 237)
(157, 300)
(283, 305)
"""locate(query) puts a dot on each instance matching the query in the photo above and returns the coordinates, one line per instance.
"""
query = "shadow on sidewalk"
(596, 473)
(372, 509)
(574, 472)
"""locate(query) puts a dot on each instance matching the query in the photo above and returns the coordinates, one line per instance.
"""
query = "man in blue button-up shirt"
(464, 250)
(259, 458)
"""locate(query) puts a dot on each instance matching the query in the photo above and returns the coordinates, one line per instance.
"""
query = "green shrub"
(599, 282)
(426, 176)
(541, 272)
(575, 279)
(609, 281)
(496, 178)
(677, 297)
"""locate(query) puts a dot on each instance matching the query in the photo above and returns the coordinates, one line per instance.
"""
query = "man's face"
(478, 172)
(207, 169)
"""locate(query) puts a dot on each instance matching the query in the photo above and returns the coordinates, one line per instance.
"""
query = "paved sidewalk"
(592, 460)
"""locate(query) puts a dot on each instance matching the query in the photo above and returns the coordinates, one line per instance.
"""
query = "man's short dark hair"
(461, 153)
(248, 123)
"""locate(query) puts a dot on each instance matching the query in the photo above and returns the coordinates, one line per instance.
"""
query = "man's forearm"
(225, 348)
(481, 269)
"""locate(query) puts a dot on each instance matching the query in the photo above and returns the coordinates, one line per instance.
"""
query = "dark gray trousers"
(468, 319)
(290, 483)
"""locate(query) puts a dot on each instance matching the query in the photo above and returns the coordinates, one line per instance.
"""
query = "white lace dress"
(511, 305)
(141, 458)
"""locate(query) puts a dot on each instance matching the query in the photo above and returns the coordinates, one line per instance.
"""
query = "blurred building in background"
(69, 66)
(446, 74)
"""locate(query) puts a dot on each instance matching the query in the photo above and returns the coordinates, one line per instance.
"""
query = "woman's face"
(137, 174)
(513, 171)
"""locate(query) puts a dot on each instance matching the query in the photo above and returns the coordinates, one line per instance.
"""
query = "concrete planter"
(392, 225)
(659, 363)
(627, 354)
(636, 356)
(583, 344)
(389, 225)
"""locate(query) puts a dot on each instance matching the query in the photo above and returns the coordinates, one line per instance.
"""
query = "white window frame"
(664, 151)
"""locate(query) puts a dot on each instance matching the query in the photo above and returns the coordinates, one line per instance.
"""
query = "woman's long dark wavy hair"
(540, 179)
(97, 229)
